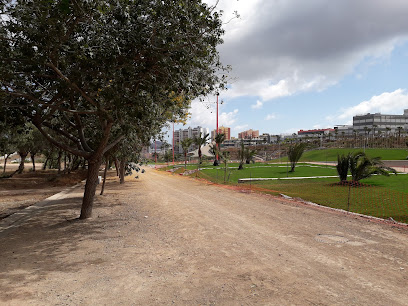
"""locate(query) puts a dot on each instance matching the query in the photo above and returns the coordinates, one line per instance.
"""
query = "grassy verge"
(381, 196)
(331, 154)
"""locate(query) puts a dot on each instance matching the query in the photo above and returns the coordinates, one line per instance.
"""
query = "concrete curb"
(22, 216)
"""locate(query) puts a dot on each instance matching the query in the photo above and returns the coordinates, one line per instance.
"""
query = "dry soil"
(164, 239)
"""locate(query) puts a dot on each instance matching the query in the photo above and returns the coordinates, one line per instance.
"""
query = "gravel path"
(167, 239)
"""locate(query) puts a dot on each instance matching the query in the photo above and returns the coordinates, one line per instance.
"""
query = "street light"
(216, 132)
(173, 143)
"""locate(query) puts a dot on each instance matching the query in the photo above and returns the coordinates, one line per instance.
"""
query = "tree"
(6, 145)
(95, 72)
(399, 128)
(294, 154)
(225, 155)
(249, 155)
(241, 156)
(199, 141)
(343, 165)
(363, 166)
(219, 139)
(167, 156)
(36, 143)
(185, 144)
(21, 137)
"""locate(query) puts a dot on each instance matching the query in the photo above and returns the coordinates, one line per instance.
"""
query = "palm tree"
(362, 166)
(399, 133)
(343, 165)
(185, 144)
(219, 139)
(249, 155)
(294, 154)
(200, 141)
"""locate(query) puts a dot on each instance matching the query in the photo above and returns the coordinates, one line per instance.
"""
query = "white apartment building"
(379, 122)
(181, 134)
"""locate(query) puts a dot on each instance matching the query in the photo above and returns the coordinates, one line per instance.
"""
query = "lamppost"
(173, 143)
(155, 153)
(216, 132)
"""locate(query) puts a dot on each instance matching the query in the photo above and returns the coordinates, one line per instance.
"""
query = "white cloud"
(258, 105)
(387, 103)
(270, 117)
(280, 48)
(227, 119)
(291, 131)
(204, 114)
(240, 128)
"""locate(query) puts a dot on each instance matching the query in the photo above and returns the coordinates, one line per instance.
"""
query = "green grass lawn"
(331, 154)
(269, 171)
(382, 196)
(378, 201)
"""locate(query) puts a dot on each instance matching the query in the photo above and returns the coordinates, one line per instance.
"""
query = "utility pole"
(173, 143)
(216, 132)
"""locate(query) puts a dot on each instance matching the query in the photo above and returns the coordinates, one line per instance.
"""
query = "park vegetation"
(99, 79)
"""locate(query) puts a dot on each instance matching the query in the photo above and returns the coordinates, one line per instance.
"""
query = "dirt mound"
(351, 184)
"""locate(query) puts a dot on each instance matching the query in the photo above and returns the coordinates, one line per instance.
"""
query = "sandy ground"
(165, 239)
(28, 188)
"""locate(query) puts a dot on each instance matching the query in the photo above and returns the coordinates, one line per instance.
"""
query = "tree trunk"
(6, 156)
(122, 171)
(107, 163)
(90, 188)
(65, 162)
(23, 156)
(75, 163)
(33, 160)
(117, 167)
(59, 161)
(45, 163)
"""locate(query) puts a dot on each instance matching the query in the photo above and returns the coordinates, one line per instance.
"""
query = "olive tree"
(95, 72)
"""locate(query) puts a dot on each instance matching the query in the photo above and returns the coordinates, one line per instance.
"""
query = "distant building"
(268, 138)
(222, 130)
(380, 123)
(343, 130)
(157, 146)
(315, 132)
(248, 134)
(181, 134)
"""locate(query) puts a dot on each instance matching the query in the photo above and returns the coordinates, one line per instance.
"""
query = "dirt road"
(165, 239)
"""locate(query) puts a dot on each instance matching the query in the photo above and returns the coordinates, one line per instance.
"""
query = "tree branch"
(72, 84)
(62, 146)
(114, 143)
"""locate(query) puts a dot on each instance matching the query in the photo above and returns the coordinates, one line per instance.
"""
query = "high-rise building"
(181, 134)
(222, 130)
(379, 122)
(248, 134)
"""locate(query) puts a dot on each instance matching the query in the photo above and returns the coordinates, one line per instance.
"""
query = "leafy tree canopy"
(88, 74)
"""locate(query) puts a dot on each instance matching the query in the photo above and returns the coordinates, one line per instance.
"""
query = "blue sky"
(309, 64)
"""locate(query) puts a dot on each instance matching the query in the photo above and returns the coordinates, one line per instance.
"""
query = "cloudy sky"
(309, 64)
